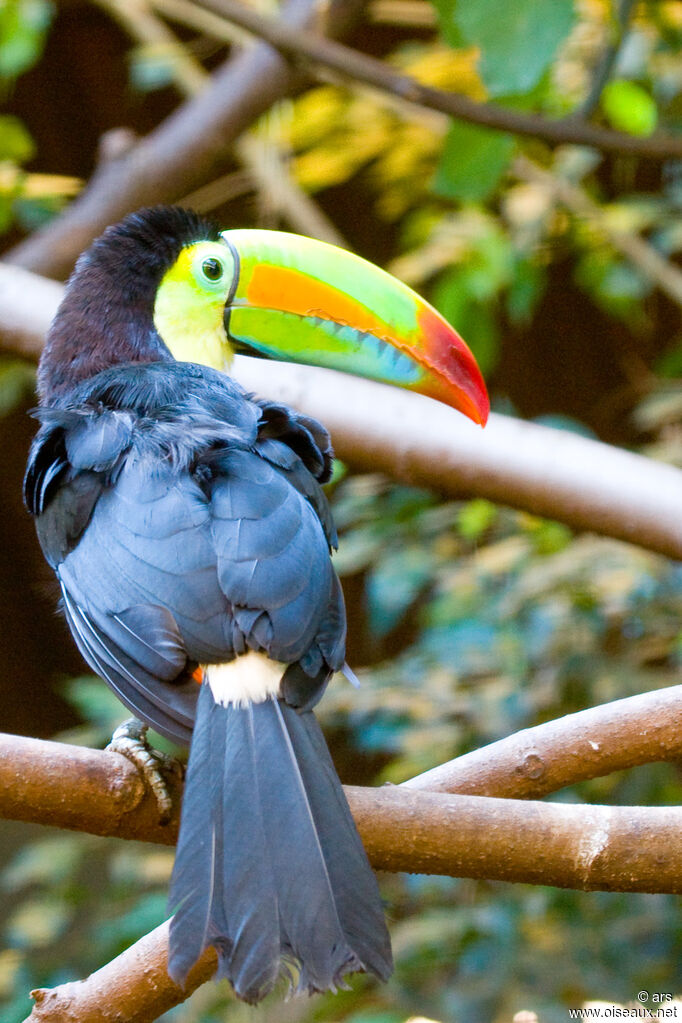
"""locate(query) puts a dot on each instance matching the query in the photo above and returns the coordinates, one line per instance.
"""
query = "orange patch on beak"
(291, 291)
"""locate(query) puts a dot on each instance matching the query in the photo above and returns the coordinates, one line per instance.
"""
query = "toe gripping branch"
(156, 768)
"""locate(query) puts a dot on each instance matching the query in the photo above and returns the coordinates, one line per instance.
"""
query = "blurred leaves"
(15, 142)
(517, 41)
(23, 26)
(517, 621)
(472, 162)
(26, 199)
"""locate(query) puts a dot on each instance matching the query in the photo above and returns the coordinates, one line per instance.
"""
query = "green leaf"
(614, 285)
(629, 107)
(526, 288)
(6, 217)
(23, 25)
(472, 162)
(15, 142)
(669, 364)
(475, 518)
(30, 214)
(17, 377)
(550, 537)
(518, 40)
(445, 9)
(94, 701)
(123, 929)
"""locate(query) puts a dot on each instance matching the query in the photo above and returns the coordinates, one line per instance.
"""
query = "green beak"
(300, 300)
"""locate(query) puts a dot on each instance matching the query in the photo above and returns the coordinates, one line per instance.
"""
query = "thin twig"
(186, 13)
(351, 64)
(605, 65)
(181, 153)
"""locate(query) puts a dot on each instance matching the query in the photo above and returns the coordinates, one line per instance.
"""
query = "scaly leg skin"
(130, 740)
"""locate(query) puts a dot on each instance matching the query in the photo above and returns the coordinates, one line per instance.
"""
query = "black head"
(106, 316)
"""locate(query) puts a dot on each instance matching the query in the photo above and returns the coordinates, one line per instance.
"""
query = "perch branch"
(638, 848)
(581, 482)
(64, 786)
(351, 64)
(586, 847)
(576, 846)
(566, 845)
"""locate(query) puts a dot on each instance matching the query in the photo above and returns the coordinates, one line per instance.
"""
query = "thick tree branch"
(566, 845)
(570, 846)
(66, 786)
(576, 846)
(27, 306)
(586, 484)
(549, 472)
(358, 67)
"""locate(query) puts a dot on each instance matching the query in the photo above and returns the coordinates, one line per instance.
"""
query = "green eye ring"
(212, 269)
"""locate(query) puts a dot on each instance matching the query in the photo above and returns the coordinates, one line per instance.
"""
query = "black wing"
(183, 539)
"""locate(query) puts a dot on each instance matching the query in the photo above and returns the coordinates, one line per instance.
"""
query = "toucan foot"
(130, 740)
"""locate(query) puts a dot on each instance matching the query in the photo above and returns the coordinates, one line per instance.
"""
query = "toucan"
(187, 526)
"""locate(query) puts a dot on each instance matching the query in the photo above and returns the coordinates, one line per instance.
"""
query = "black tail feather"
(192, 887)
(270, 868)
(353, 881)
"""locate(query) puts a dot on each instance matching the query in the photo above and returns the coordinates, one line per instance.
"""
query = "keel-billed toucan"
(187, 527)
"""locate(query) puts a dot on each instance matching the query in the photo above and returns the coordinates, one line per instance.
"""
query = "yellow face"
(190, 303)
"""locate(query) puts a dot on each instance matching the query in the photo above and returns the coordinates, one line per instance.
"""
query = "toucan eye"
(212, 269)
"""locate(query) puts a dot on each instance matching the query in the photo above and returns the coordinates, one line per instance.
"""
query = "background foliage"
(468, 621)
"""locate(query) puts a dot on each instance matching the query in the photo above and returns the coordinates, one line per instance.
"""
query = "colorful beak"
(300, 300)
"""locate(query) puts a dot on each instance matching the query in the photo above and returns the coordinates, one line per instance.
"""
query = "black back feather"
(179, 536)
